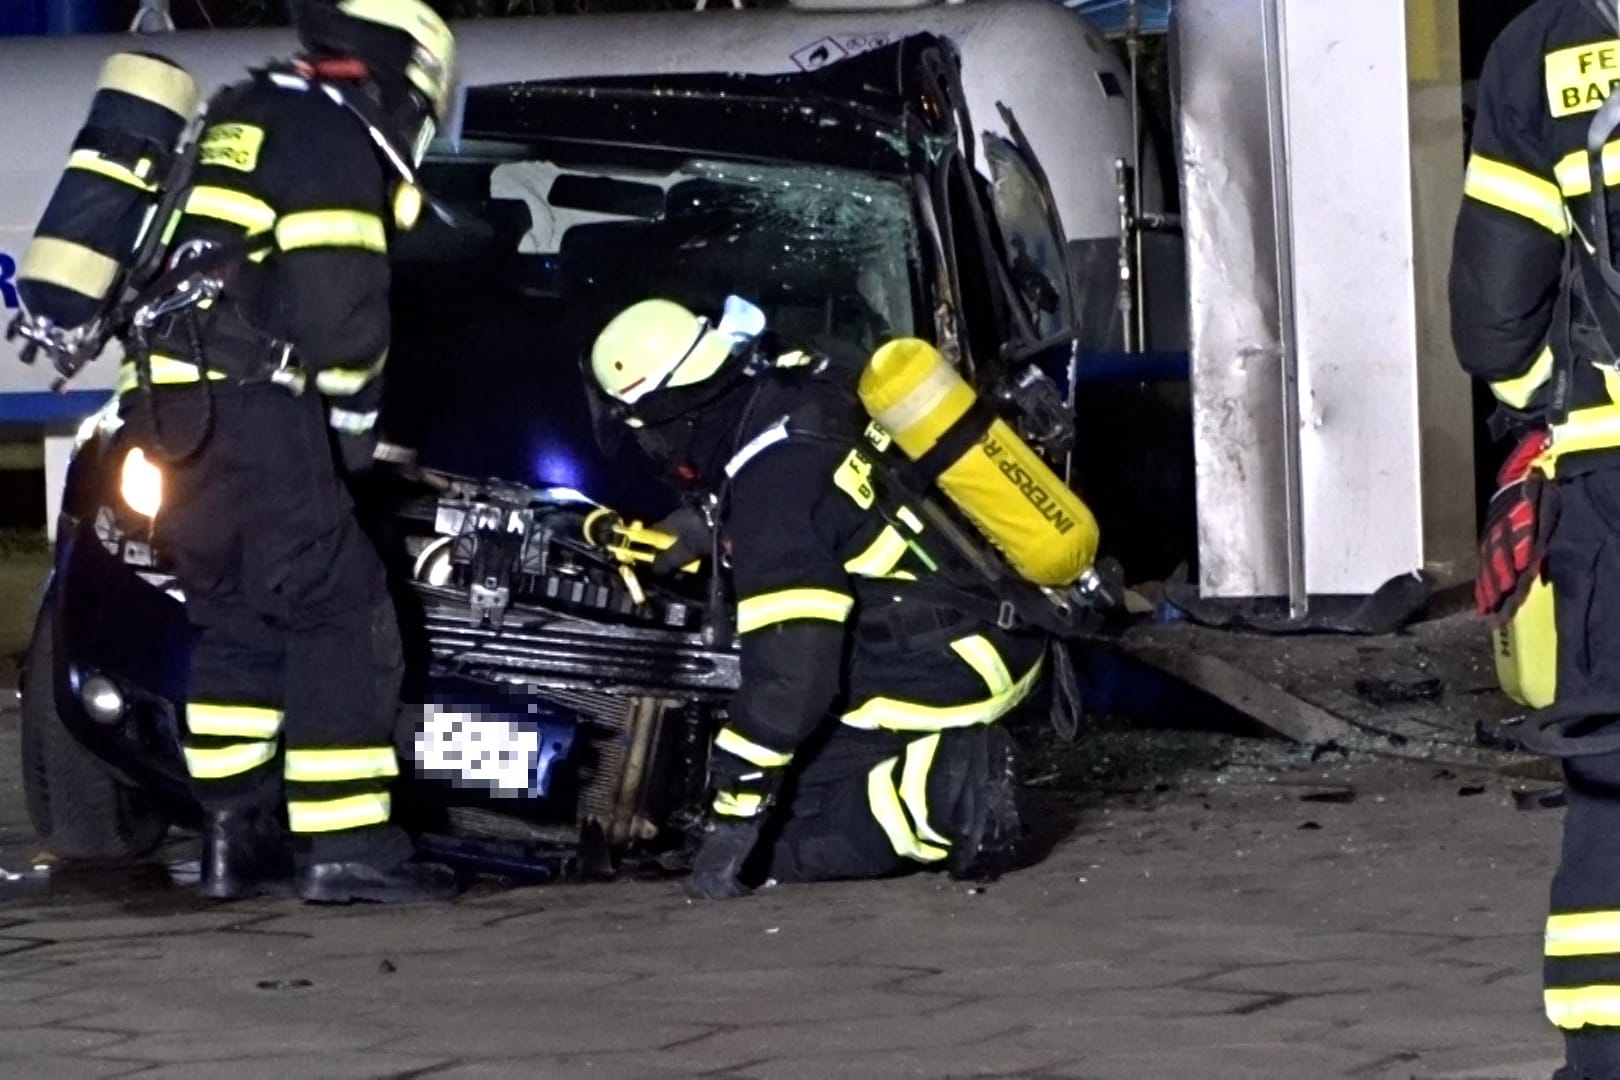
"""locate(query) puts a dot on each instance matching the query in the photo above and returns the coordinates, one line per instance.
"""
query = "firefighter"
(869, 699)
(1525, 319)
(257, 405)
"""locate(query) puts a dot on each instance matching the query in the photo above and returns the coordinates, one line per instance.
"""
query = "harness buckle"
(1007, 616)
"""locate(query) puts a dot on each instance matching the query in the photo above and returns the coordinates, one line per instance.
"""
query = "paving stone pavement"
(1222, 929)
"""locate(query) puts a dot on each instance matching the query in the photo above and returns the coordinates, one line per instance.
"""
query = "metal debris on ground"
(1538, 798)
(1399, 691)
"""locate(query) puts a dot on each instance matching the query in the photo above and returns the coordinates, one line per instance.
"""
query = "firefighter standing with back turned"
(1529, 307)
(294, 633)
(869, 699)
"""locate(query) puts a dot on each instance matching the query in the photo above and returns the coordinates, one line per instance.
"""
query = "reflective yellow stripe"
(1590, 933)
(1576, 1007)
(914, 786)
(1575, 174)
(166, 371)
(92, 162)
(1517, 392)
(888, 714)
(218, 762)
(1596, 428)
(247, 721)
(909, 520)
(68, 265)
(983, 658)
(153, 80)
(362, 763)
(750, 751)
(881, 556)
(331, 228)
(729, 805)
(885, 804)
(757, 612)
(341, 382)
(1516, 191)
(232, 207)
(329, 815)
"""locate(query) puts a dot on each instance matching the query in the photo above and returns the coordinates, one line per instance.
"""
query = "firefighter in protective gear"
(1524, 322)
(255, 404)
(869, 699)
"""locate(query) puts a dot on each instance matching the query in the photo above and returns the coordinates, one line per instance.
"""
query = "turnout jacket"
(835, 616)
(1527, 194)
(293, 167)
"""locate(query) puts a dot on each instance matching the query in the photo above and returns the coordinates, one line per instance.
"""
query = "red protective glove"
(1518, 523)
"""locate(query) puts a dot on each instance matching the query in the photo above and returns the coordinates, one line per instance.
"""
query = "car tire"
(81, 813)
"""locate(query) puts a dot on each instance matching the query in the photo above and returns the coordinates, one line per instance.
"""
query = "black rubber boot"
(989, 808)
(244, 853)
(717, 869)
(346, 882)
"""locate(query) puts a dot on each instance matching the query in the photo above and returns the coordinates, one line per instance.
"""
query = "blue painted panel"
(21, 17)
(1111, 16)
(44, 407)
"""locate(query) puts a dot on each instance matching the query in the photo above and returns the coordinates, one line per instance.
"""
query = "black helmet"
(407, 46)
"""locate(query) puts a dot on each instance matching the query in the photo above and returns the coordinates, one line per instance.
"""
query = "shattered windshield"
(492, 318)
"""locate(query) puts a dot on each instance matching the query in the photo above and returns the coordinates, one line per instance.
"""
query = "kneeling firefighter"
(248, 397)
(871, 680)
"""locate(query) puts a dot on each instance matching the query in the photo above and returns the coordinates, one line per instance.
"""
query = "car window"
(1035, 251)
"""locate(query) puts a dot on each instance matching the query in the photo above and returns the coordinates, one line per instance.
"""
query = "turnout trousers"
(296, 661)
(869, 804)
(1582, 966)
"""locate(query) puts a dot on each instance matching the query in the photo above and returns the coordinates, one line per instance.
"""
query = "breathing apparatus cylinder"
(1044, 530)
(1526, 650)
(97, 218)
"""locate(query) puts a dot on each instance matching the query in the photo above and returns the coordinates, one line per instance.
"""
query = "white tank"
(1063, 82)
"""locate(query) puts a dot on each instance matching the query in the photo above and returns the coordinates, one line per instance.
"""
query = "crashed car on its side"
(557, 708)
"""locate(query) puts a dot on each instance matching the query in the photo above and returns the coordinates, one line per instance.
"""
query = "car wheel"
(79, 811)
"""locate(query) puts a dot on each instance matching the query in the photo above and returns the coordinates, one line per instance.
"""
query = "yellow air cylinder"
(102, 205)
(1526, 650)
(1003, 487)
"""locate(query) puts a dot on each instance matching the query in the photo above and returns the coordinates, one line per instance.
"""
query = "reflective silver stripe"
(766, 439)
(352, 423)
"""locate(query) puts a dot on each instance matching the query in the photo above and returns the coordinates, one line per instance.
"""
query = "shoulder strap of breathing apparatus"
(1589, 259)
(970, 577)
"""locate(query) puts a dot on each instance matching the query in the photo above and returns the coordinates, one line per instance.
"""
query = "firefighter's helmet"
(657, 345)
(405, 39)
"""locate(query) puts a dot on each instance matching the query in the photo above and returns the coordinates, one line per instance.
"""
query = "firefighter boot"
(987, 811)
(716, 871)
(244, 853)
(346, 882)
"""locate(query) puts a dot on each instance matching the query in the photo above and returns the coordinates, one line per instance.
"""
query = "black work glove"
(693, 540)
(720, 860)
(357, 452)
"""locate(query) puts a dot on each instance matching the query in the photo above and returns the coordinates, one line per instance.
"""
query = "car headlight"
(141, 484)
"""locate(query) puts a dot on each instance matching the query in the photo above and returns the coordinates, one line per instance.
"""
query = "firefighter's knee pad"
(1526, 650)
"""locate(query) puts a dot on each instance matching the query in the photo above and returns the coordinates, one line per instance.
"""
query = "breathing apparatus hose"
(1580, 727)
(142, 359)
